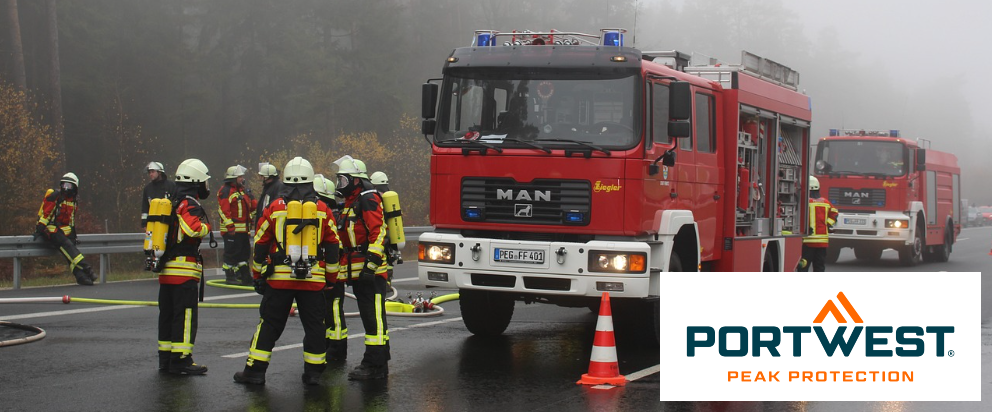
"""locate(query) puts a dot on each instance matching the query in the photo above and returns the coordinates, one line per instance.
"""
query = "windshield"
(861, 157)
(491, 105)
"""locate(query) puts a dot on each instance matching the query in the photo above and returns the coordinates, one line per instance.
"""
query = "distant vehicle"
(984, 215)
(971, 217)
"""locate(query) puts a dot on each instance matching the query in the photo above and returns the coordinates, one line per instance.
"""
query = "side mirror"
(679, 128)
(680, 101)
(427, 126)
(428, 101)
(921, 160)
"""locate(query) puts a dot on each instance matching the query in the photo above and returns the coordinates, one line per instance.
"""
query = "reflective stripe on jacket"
(822, 216)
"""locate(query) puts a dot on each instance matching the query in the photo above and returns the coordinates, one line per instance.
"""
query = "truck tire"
(485, 313)
(868, 253)
(942, 253)
(912, 254)
(833, 253)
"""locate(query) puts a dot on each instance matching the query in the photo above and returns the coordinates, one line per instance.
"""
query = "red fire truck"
(891, 193)
(566, 164)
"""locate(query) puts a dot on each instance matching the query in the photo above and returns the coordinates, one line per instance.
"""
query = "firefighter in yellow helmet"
(334, 315)
(363, 233)
(180, 270)
(57, 225)
(822, 217)
(284, 271)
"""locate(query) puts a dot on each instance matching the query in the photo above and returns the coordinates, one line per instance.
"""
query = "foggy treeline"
(243, 81)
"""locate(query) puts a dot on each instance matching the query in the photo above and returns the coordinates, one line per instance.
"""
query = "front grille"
(531, 236)
(499, 281)
(542, 202)
(845, 196)
(547, 283)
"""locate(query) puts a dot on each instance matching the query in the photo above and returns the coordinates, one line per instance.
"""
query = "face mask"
(203, 192)
(67, 187)
(343, 181)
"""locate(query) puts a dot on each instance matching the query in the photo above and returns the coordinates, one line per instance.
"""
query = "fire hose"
(39, 334)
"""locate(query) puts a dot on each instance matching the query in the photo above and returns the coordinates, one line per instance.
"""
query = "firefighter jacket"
(822, 216)
(270, 192)
(58, 212)
(363, 233)
(270, 261)
(158, 189)
(237, 208)
(182, 250)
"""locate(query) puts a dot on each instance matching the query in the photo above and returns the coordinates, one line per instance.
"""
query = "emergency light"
(613, 38)
(486, 39)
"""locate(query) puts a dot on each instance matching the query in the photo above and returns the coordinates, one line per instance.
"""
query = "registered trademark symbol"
(950, 353)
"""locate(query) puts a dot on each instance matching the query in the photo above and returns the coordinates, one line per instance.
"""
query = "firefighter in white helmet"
(271, 186)
(362, 231)
(381, 183)
(334, 315)
(236, 209)
(822, 216)
(283, 275)
(159, 186)
(57, 225)
(180, 271)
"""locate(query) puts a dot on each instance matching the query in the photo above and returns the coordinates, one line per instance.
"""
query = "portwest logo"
(600, 187)
(752, 340)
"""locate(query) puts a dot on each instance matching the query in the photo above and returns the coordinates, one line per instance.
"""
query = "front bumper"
(857, 229)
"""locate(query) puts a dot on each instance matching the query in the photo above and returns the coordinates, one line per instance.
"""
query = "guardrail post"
(17, 273)
(104, 262)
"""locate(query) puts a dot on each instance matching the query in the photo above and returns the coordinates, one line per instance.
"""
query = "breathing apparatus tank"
(394, 218)
(309, 241)
(157, 230)
(294, 212)
(301, 242)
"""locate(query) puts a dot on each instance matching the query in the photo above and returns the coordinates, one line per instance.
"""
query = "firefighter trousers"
(177, 318)
(71, 253)
(237, 250)
(816, 257)
(371, 298)
(337, 329)
(274, 311)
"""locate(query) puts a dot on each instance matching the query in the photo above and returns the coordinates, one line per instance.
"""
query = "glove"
(830, 228)
(260, 285)
(41, 230)
(229, 228)
(368, 271)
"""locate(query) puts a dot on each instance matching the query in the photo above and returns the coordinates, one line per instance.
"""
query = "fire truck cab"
(565, 165)
(892, 193)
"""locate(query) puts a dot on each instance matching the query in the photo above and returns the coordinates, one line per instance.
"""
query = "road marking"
(963, 238)
(106, 308)
(391, 330)
(633, 376)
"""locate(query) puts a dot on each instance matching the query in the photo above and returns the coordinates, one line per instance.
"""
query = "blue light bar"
(473, 213)
(486, 39)
(613, 38)
(894, 133)
(574, 217)
(835, 132)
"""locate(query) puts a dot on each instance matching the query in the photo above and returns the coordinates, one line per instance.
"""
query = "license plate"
(855, 221)
(518, 256)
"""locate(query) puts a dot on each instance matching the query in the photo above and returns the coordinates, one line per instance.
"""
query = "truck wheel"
(912, 254)
(485, 313)
(833, 253)
(868, 253)
(942, 253)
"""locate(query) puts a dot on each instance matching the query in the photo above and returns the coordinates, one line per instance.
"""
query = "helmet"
(379, 178)
(298, 170)
(352, 167)
(193, 171)
(155, 166)
(235, 171)
(70, 178)
(267, 170)
(323, 186)
(814, 183)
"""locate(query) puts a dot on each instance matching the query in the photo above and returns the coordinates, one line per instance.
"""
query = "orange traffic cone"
(603, 366)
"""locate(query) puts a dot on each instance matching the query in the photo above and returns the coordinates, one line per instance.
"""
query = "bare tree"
(56, 82)
(20, 80)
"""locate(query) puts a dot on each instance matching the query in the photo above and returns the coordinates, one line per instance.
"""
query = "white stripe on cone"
(603, 354)
(605, 323)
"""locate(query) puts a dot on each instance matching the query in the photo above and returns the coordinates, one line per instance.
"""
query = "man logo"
(831, 308)
(523, 210)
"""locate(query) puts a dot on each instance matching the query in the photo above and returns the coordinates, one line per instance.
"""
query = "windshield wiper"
(534, 145)
(578, 142)
(482, 150)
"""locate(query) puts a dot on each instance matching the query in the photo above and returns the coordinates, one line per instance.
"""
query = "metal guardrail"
(18, 247)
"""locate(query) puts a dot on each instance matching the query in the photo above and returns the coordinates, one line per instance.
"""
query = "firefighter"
(270, 188)
(57, 225)
(159, 186)
(381, 183)
(180, 270)
(822, 216)
(363, 232)
(237, 206)
(280, 280)
(334, 316)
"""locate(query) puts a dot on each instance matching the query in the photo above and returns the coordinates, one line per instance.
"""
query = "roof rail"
(753, 65)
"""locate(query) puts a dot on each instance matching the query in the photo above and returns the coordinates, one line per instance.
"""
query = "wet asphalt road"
(98, 357)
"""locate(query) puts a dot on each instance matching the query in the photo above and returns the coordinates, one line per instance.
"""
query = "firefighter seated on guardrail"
(57, 225)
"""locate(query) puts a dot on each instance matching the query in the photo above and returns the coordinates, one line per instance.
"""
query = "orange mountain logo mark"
(831, 308)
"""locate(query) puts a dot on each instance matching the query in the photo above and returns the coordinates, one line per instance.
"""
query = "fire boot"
(82, 277)
(253, 374)
(164, 357)
(245, 274)
(366, 372)
(337, 350)
(311, 373)
(184, 365)
(230, 277)
(88, 270)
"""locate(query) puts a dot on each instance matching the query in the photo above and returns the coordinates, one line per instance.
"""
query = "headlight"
(436, 252)
(617, 262)
(896, 224)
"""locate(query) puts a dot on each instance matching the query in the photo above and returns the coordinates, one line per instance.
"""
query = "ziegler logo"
(911, 338)
(890, 184)
(538, 196)
(600, 187)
